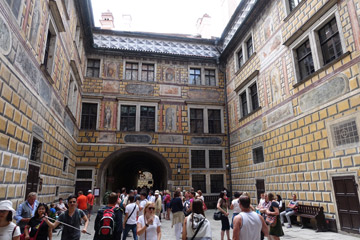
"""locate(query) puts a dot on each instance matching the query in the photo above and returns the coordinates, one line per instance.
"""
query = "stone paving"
(292, 233)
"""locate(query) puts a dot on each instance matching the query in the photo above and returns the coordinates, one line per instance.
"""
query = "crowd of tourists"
(141, 213)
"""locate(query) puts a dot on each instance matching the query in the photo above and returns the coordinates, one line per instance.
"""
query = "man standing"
(90, 203)
(73, 217)
(131, 213)
(248, 224)
(151, 197)
(142, 203)
(82, 201)
(113, 197)
(292, 206)
(158, 204)
(26, 210)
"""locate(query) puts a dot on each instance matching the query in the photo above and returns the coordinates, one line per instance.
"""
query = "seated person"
(292, 207)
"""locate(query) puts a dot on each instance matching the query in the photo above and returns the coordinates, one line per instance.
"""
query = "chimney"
(203, 26)
(126, 22)
(107, 20)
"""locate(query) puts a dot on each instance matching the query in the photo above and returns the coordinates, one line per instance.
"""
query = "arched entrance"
(123, 168)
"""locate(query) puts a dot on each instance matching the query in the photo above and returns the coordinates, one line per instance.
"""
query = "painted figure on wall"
(35, 24)
(275, 84)
(170, 75)
(107, 117)
(170, 119)
(111, 70)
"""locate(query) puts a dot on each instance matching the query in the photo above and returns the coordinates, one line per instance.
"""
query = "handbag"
(271, 220)
(217, 216)
(22, 236)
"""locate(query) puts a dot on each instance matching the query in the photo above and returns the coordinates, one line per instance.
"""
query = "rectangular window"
(249, 46)
(258, 155)
(243, 102)
(198, 159)
(47, 49)
(330, 41)
(147, 119)
(215, 159)
(147, 72)
(89, 116)
(210, 78)
(254, 97)
(195, 76)
(35, 154)
(15, 6)
(93, 68)
(305, 60)
(216, 183)
(131, 71)
(293, 4)
(199, 182)
(65, 164)
(240, 58)
(84, 174)
(214, 120)
(196, 120)
(128, 118)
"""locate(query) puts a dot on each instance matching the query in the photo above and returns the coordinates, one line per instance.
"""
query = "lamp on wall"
(178, 168)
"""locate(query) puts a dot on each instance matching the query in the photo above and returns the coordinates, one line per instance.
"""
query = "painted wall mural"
(169, 90)
(108, 115)
(5, 37)
(275, 84)
(111, 70)
(170, 119)
(110, 86)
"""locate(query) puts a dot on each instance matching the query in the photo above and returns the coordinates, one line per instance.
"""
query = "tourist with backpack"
(108, 223)
(131, 213)
(72, 217)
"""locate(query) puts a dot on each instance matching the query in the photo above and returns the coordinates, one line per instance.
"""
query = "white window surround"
(252, 152)
(207, 159)
(207, 181)
(52, 28)
(138, 108)
(248, 97)
(94, 58)
(98, 110)
(205, 116)
(311, 34)
(202, 71)
(86, 179)
(73, 94)
(286, 4)
(140, 63)
(243, 46)
(39, 138)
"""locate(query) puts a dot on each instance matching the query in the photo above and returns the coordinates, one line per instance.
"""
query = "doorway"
(32, 180)
(260, 188)
(347, 201)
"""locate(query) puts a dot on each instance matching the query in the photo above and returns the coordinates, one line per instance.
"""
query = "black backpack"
(107, 224)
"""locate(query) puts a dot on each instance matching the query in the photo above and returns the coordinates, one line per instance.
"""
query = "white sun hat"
(7, 205)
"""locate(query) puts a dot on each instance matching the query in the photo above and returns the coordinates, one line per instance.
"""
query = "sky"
(164, 16)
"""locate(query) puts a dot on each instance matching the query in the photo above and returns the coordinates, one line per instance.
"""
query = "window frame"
(243, 47)
(207, 158)
(41, 140)
(97, 115)
(18, 18)
(246, 90)
(206, 118)
(100, 68)
(67, 164)
(73, 99)
(254, 148)
(312, 35)
(85, 179)
(138, 114)
(202, 75)
(208, 181)
(51, 27)
(139, 76)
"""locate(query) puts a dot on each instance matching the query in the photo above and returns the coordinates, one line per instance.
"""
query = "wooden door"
(32, 180)
(260, 188)
(348, 205)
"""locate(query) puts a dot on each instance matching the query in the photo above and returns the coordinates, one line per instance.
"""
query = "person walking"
(196, 226)
(73, 217)
(292, 207)
(167, 204)
(248, 224)
(176, 207)
(275, 230)
(82, 202)
(148, 225)
(235, 206)
(158, 204)
(131, 213)
(39, 225)
(118, 227)
(222, 206)
(142, 202)
(26, 210)
(8, 229)
(90, 203)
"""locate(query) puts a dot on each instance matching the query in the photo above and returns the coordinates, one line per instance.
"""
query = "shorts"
(225, 224)
(167, 206)
(90, 208)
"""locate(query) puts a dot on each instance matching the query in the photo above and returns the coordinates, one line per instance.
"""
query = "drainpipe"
(228, 167)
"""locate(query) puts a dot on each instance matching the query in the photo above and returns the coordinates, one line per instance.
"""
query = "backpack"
(186, 207)
(107, 224)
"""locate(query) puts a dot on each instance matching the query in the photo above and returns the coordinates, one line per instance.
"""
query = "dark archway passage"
(121, 169)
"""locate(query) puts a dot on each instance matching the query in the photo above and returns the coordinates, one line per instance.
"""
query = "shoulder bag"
(131, 213)
(271, 220)
(22, 236)
(217, 216)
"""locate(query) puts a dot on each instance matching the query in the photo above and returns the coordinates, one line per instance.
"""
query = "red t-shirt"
(167, 198)
(90, 199)
(82, 202)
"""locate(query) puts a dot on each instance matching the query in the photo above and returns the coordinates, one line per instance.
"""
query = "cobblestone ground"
(292, 233)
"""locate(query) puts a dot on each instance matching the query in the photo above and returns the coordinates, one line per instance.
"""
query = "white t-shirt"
(235, 203)
(142, 205)
(151, 199)
(151, 232)
(6, 233)
(129, 208)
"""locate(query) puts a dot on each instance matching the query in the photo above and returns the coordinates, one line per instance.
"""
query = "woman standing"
(167, 200)
(40, 226)
(222, 205)
(178, 215)
(196, 223)
(8, 229)
(275, 231)
(235, 206)
(148, 225)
